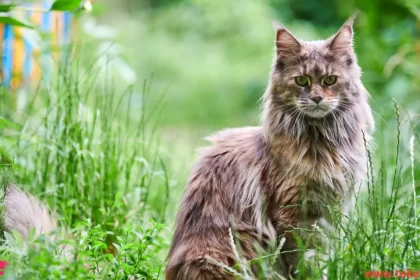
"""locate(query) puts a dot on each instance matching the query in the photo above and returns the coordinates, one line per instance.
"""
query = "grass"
(84, 155)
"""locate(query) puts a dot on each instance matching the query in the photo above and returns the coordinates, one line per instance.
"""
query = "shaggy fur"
(308, 156)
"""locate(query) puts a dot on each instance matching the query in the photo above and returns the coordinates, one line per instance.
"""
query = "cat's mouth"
(317, 111)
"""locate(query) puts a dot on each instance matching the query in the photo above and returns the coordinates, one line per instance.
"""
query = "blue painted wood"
(46, 26)
(7, 59)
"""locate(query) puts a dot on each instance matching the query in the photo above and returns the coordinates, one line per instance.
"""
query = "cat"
(308, 155)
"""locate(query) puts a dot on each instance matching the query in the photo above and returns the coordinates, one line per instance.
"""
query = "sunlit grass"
(82, 150)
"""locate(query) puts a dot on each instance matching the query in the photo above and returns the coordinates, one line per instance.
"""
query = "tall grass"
(381, 236)
(82, 150)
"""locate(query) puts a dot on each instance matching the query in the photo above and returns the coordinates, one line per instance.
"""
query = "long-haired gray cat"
(262, 182)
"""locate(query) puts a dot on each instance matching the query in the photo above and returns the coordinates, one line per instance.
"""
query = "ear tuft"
(343, 39)
(285, 41)
(350, 20)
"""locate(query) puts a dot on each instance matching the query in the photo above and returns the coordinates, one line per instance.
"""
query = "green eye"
(301, 80)
(330, 80)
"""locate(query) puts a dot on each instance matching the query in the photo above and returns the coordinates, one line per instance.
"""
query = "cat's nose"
(316, 98)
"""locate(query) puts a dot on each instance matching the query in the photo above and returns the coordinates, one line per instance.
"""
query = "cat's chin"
(317, 113)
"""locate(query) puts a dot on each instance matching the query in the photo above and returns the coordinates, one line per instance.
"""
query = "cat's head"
(315, 78)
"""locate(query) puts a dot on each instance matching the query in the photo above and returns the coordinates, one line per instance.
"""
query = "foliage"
(65, 5)
(7, 17)
(78, 147)
(41, 258)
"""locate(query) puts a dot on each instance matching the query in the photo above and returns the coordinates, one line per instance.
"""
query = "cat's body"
(262, 182)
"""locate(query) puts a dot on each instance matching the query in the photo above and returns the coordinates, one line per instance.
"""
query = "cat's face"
(315, 78)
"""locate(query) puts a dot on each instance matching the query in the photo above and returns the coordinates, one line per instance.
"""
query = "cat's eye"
(301, 81)
(330, 80)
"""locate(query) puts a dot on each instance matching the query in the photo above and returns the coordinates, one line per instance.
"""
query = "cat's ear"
(343, 39)
(285, 41)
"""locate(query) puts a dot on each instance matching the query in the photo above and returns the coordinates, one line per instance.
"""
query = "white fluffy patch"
(23, 212)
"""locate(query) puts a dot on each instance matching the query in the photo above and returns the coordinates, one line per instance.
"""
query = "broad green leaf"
(65, 5)
(14, 21)
(6, 8)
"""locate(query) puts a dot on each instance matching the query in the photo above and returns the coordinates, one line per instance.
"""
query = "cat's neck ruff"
(329, 150)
